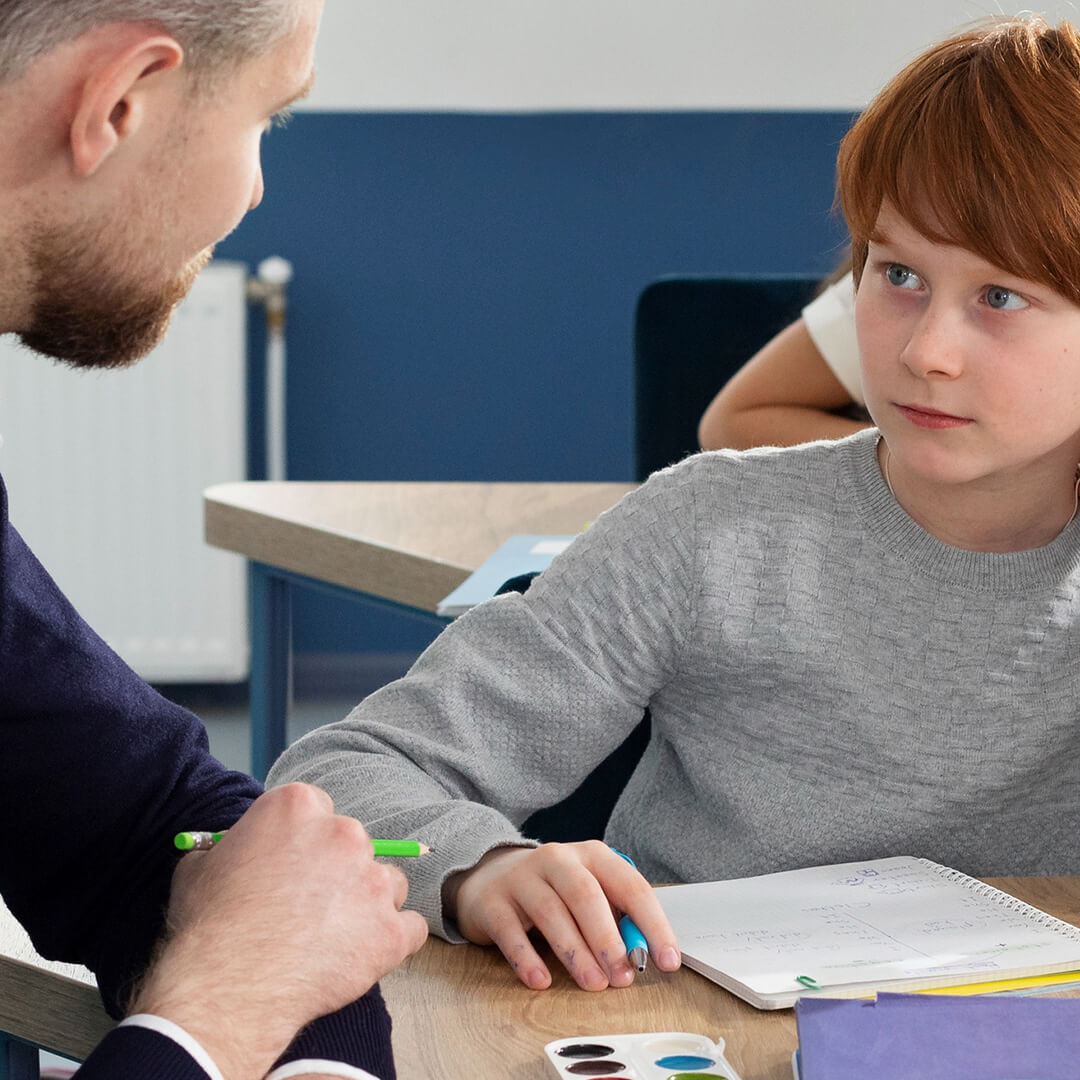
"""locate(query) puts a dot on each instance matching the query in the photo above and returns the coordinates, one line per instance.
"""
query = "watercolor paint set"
(658, 1055)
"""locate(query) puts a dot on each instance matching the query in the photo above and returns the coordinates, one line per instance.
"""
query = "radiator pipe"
(268, 288)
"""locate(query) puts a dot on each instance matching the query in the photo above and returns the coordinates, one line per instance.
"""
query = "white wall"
(511, 55)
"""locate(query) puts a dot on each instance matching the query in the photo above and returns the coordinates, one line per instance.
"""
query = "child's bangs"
(980, 152)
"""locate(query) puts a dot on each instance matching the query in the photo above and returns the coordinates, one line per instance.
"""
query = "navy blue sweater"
(97, 773)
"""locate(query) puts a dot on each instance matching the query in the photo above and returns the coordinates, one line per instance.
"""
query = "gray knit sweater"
(827, 682)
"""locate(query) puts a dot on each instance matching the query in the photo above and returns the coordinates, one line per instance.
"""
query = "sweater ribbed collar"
(905, 539)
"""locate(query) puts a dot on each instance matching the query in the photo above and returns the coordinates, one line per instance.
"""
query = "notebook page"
(867, 922)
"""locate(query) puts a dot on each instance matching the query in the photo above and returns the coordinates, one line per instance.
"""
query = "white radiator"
(105, 472)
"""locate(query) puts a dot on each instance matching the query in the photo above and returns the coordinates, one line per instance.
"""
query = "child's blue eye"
(1002, 299)
(903, 277)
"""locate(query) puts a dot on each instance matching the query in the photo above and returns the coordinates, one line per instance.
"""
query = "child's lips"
(925, 417)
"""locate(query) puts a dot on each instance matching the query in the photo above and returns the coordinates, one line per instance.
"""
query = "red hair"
(977, 143)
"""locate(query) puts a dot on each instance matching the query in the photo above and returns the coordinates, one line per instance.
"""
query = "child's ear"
(111, 103)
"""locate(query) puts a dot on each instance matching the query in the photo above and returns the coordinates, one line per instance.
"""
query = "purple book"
(933, 1037)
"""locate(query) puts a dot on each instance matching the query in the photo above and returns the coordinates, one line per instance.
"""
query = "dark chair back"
(691, 334)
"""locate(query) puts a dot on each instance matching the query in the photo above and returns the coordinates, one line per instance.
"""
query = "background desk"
(460, 1013)
(408, 544)
(43, 1004)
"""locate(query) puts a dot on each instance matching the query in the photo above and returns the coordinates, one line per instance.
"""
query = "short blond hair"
(216, 35)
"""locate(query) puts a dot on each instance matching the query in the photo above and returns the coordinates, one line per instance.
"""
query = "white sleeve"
(305, 1067)
(830, 320)
(309, 1067)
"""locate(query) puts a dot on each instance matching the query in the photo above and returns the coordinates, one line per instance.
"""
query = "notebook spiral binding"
(1003, 899)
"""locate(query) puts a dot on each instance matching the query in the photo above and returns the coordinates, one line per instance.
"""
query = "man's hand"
(288, 918)
(566, 891)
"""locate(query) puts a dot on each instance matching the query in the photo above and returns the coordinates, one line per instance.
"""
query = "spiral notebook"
(849, 930)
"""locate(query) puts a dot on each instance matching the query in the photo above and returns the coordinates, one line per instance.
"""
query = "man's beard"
(90, 315)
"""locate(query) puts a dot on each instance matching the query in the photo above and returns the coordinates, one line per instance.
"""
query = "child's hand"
(567, 892)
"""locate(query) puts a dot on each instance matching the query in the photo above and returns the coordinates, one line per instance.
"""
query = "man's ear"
(111, 102)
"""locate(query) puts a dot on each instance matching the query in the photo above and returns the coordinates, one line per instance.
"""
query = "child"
(850, 649)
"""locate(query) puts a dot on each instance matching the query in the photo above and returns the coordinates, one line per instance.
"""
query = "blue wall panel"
(465, 284)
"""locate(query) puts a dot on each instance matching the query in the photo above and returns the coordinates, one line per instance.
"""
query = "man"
(129, 144)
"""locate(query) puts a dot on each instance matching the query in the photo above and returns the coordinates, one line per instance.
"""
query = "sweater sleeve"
(358, 1035)
(97, 772)
(137, 1052)
(353, 1042)
(518, 700)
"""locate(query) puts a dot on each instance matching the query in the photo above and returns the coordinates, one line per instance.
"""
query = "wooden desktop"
(460, 1013)
(408, 543)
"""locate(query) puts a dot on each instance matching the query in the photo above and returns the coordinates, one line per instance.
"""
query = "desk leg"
(271, 667)
(18, 1060)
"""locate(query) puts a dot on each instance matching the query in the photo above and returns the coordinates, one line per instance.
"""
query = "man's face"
(107, 281)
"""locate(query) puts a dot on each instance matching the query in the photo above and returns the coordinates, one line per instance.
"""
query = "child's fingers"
(507, 930)
(559, 917)
(632, 894)
(589, 911)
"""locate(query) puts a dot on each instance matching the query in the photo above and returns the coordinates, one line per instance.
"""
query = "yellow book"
(1002, 986)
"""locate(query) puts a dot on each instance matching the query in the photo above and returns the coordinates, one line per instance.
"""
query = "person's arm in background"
(803, 385)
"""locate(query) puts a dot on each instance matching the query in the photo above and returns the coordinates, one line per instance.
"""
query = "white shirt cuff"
(178, 1036)
(303, 1067)
(309, 1066)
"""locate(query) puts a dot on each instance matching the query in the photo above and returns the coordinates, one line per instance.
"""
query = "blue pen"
(637, 948)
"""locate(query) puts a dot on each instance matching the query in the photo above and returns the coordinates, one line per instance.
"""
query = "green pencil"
(400, 849)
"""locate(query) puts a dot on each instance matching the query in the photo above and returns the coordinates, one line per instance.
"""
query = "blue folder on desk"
(522, 554)
(929, 1037)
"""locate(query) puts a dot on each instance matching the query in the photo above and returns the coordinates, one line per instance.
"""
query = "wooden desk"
(460, 1013)
(407, 544)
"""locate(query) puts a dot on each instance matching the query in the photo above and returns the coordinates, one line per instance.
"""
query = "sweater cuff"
(357, 1035)
(145, 1045)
